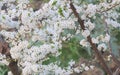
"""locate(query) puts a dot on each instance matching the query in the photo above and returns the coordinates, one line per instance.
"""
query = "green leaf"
(71, 50)
(36, 43)
(60, 11)
(54, 3)
(3, 69)
(3, 17)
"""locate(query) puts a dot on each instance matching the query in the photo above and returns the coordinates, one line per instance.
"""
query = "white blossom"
(27, 70)
(91, 10)
(71, 63)
(100, 37)
(86, 68)
(35, 68)
(113, 23)
(84, 43)
(86, 33)
(83, 17)
(102, 47)
(6, 62)
(92, 67)
(77, 70)
(89, 25)
(83, 65)
(94, 40)
(107, 38)
(10, 73)
(39, 33)
(109, 57)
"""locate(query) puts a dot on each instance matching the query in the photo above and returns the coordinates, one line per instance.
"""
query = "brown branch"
(97, 53)
(14, 68)
(99, 56)
(117, 72)
(115, 60)
(5, 49)
(81, 22)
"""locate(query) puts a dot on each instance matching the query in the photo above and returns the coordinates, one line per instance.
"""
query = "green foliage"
(36, 43)
(46, 1)
(3, 17)
(71, 50)
(60, 11)
(54, 2)
(3, 69)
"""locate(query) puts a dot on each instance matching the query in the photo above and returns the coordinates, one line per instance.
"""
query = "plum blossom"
(113, 23)
(107, 38)
(87, 68)
(92, 67)
(84, 43)
(89, 25)
(86, 33)
(71, 63)
(10, 73)
(91, 10)
(109, 57)
(27, 70)
(39, 33)
(102, 47)
(94, 40)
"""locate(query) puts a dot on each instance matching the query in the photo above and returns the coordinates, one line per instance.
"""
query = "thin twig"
(108, 8)
(116, 72)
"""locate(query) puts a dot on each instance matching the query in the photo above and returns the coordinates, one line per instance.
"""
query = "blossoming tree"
(28, 37)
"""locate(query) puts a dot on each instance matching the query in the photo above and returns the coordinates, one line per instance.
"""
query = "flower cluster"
(83, 67)
(38, 33)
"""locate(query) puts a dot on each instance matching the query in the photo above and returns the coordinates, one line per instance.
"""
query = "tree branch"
(5, 49)
(97, 53)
